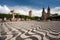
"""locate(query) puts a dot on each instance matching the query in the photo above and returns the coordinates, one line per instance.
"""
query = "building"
(30, 13)
(48, 11)
(45, 15)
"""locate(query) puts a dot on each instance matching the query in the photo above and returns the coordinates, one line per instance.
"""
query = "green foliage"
(56, 17)
(18, 16)
(36, 17)
(5, 15)
(22, 16)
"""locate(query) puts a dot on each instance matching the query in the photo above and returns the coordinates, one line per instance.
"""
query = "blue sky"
(23, 6)
(31, 3)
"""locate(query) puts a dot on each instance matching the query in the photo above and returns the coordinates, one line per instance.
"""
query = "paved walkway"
(30, 30)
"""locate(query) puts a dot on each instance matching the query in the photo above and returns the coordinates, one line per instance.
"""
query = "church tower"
(48, 11)
(43, 15)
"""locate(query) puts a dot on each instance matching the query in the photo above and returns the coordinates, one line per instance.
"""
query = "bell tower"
(43, 15)
(48, 11)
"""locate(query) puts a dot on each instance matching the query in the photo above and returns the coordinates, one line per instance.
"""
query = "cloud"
(25, 10)
(35, 12)
(55, 10)
(4, 9)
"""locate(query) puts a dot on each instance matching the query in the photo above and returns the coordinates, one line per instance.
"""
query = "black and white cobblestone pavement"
(30, 30)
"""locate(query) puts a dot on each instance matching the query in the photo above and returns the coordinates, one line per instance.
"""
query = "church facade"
(44, 14)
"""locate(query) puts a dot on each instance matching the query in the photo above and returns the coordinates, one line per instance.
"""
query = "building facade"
(30, 13)
(48, 11)
(44, 16)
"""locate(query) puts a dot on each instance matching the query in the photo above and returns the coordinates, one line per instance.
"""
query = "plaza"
(30, 30)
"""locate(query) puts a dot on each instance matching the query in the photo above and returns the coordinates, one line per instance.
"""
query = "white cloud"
(55, 10)
(4, 9)
(35, 12)
(25, 10)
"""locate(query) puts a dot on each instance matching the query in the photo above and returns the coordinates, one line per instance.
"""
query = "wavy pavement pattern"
(30, 30)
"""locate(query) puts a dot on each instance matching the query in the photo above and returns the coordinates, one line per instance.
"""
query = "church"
(46, 15)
